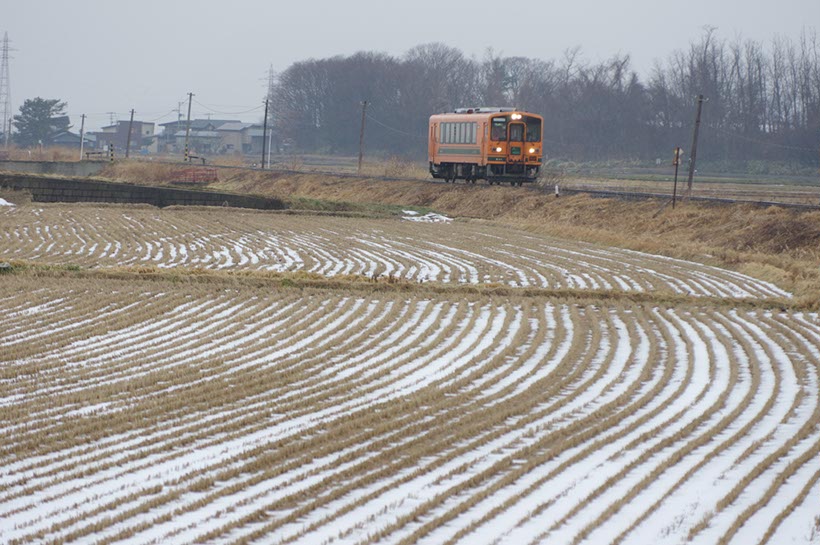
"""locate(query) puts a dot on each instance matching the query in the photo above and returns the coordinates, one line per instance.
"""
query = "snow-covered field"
(169, 412)
(457, 252)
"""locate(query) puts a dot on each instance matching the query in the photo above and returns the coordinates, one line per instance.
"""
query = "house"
(233, 137)
(167, 140)
(255, 137)
(69, 139)
(117, 135)
(203, 137)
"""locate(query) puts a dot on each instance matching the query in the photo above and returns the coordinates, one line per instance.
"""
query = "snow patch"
(430, 217)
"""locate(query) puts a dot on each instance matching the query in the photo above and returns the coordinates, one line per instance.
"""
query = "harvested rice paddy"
(158, 411)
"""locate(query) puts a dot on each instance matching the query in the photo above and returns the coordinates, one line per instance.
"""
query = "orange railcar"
(493, 144)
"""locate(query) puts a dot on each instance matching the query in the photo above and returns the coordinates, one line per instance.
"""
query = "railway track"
(748, 196)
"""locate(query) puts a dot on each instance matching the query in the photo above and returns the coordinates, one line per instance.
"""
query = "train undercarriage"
(512, 173)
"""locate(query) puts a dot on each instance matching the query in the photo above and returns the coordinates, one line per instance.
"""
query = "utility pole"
(128, 140)
(264, 134)
(270, 143)
(676, 162)
(694, 153)
(188, 128)
(361, 136)
(82, 131)
(177, 127)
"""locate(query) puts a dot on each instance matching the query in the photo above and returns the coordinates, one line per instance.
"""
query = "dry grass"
(19, 197)
(44, 154)
(145, 172)
(395, 167)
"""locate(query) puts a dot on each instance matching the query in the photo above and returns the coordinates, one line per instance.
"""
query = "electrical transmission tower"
(5, 90)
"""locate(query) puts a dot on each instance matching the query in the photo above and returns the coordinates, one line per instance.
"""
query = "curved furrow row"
(159, 388)
(457, 252)
(555, 418)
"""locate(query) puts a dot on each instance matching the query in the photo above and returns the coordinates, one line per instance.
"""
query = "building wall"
(230, 141)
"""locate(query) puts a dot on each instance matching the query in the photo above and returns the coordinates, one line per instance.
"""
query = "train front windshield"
(533, 129)
(499, 129)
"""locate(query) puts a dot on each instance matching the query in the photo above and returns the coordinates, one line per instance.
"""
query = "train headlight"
(498, 150)
(516, 116)
(532, 150)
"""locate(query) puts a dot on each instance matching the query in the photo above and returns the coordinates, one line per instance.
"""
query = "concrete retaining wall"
(44, 189)
(64, 168)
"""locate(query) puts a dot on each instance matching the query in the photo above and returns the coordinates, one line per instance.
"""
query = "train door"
(515, 148)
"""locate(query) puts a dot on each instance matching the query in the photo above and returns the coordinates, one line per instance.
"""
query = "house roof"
(201, 123)
(123, 122)
(234, 126)
(199, 134)
(65, 136)
(68, 136)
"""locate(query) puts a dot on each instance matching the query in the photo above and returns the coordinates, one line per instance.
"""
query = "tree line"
(763, 100)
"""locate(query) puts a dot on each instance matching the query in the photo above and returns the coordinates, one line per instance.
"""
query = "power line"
(228, 113)
(166, 114)
(394, 129)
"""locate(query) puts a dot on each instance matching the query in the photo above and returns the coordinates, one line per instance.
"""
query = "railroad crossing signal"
(677, 155)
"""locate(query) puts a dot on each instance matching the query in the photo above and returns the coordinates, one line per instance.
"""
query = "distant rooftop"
(198, 124)
(234, 126)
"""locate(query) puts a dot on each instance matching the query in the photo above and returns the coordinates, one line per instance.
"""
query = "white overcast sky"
(105, 56)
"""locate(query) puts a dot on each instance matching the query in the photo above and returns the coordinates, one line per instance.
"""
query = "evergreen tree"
(40, 119)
